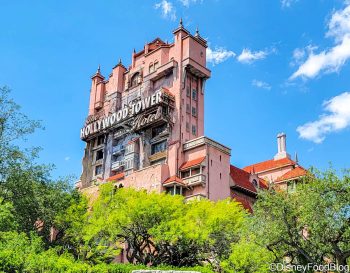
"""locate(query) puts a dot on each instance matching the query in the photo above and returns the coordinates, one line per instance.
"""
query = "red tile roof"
(269, 165)
(116, 177)
(241, 179)
(173, 179)
(263, 183)
(192, 163)
(292, 174)
(244, 203)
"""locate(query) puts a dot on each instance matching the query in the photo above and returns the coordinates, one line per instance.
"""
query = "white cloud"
(335, 118)
(219, 55)
(287, 3)
(167, 8)
(332, 59)
(248, 56)
(261, 84)
(67, 158)
(187, 3)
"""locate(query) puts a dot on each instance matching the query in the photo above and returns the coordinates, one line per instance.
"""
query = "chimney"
(281, 147)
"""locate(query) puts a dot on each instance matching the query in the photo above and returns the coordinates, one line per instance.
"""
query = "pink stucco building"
(145, 127)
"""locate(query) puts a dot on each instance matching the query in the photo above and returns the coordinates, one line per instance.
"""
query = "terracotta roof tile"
(116, 177)
(244, 202)
(292, 174)
(192, 163)
(269, 164)
(263, 183)
(241, 179)
(173, 179)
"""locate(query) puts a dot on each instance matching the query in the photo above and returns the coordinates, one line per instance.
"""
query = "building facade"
(145, 127)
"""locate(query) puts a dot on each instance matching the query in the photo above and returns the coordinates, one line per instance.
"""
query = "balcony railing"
(117, 165)
(198, 179)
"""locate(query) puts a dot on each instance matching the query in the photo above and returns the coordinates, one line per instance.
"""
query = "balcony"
(118, 149)
(117, 165)
(198, 179)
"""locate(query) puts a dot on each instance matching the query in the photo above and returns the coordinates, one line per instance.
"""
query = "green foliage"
(26, 186)
(155, 228)
(311, 225)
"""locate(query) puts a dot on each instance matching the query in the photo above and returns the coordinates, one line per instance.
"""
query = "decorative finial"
(181, 25)
(296, 158)
(98, 69)
(253, 170)
(120, 61)
(134, 50)
(197, 32)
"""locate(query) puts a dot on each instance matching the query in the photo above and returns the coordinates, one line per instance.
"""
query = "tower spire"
(197, 32)
(181, 24)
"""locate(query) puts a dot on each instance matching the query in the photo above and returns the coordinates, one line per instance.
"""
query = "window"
(156, 65)
(194, 130)
(99, 155)
(255, 183)
(187, 126)
(158, 130)
(159, 147)
(220, 158)
(100, 140)
(194, 111)
(151, 68)
(129, 148)
(185, 174)
(196, 170)
(98, 169)
(188, 108)
(220, 175)
(173, 191)
(135, 79)
(194, 94)
(188, 92)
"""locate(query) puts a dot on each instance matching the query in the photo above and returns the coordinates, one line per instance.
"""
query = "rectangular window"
(196, 171)
(151, 68)
(156, 65)
(185, 174)
(194, 130)
(188, 108)
(159, 130)
(100, 140)
(194, 111)
(129, 148)
(188, 91)
(194, 94)
(187, 126)
(98, 169)
(159, 147)
(99, 155)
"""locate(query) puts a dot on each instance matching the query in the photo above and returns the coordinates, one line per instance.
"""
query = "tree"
(26, 185)
(311, 225)
(154, 228)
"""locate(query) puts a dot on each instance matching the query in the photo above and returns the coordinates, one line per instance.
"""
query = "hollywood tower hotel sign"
(145, 127)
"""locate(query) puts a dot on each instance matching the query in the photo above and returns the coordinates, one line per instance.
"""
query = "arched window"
(135, 79)
(255, 183)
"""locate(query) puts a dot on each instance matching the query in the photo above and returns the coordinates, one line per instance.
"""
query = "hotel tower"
(145, 127)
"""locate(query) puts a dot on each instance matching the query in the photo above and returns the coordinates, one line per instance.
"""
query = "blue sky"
(277, 65)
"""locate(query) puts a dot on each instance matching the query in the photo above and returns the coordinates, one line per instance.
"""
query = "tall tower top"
(281, 147)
